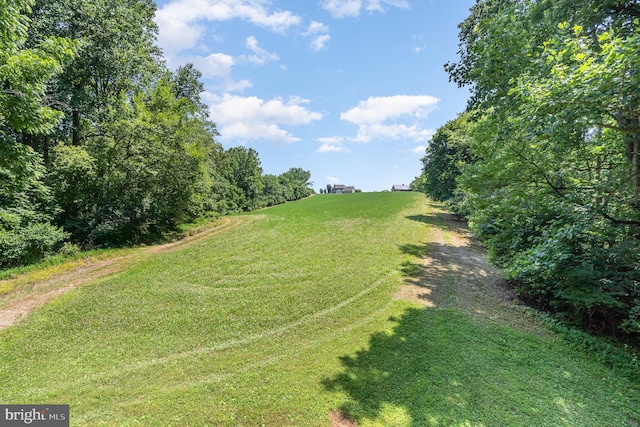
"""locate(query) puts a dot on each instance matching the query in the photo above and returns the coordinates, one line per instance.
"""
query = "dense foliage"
(549, 171)
(100, 143)
(447, 153)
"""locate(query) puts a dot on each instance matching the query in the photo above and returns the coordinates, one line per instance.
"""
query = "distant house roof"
(340, 188)
(401, 188)
(349, 189)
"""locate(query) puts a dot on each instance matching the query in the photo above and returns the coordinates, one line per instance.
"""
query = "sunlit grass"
(285, 317)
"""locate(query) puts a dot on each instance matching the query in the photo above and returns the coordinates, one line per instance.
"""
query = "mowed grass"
(287, 317)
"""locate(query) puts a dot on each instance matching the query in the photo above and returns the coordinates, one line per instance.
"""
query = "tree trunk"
(75, 128)
(45, 151)
(635, 165)
(632, 151)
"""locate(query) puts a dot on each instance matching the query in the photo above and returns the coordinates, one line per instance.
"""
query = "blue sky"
(350, 90)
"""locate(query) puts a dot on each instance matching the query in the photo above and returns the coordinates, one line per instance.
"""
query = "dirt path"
(31, 291)
(455, 273)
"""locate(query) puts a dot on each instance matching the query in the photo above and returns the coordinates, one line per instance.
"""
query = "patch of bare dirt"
(338, 419)
(19, 303)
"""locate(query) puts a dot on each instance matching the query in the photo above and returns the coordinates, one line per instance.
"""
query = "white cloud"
(320, 42)
(254, 118)
(261, 56)
(370, 132)
(382, 117)
(332, 144)
(230, 85)
(332, 179)
(420, 149)
(316, 27)
(377, 5)
(419, 39)
(175, 31)
(378, 109)
(344, 8)
(217, 67)
(247, 131)
(214, 65)
(330, 148)
(319, 32)
(179, 21)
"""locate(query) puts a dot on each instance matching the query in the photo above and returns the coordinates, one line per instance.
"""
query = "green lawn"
(287, 317)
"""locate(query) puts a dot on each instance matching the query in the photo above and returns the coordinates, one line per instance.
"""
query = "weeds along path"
(29, 291)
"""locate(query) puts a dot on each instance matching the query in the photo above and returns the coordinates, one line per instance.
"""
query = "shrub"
(32, 243)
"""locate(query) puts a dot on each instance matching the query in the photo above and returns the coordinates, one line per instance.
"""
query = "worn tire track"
(19, 303)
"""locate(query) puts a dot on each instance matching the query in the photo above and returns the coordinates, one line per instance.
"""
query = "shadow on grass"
(406, 376)
(438, 368)
(444, 220)
(441, 269)
(436, 265)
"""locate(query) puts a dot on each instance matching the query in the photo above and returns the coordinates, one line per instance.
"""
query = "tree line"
(102, 144)
(545, 161)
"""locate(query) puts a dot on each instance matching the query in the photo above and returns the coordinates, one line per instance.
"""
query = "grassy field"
(289, 316)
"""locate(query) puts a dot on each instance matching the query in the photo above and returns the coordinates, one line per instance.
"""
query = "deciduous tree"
(26, 234)
(554, 192)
